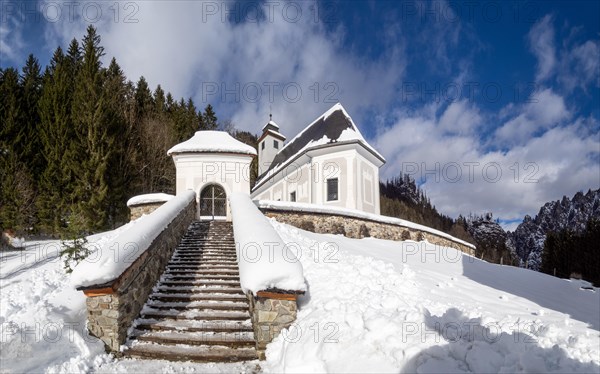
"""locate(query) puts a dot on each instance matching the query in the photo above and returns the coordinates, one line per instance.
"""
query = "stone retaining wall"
(353, 227)
(111, 308)
(270, 313)
(136, 211)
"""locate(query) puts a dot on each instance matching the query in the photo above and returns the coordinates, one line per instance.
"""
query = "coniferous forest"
(78, 139)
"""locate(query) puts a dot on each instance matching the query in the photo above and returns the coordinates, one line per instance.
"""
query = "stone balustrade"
(271, 311)
(112, 306)
(356, 227)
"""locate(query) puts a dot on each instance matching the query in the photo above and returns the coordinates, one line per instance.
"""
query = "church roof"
(271, 123)
(333, 126)
(212, 142)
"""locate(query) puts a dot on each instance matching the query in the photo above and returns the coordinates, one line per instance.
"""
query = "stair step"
(197, 297)
(190, 353)
(225, 339)
(197, 315)
(199, 289)
(168, 277)
(201, 305)
(183, 325)
(191, 283)
(201, 274)
(197, 311)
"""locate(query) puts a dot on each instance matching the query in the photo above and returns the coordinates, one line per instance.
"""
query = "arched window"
(213, 201)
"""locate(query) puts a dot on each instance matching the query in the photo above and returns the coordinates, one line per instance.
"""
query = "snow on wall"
(313, 208)
(149, 199)
(116, 255)
(264, 259)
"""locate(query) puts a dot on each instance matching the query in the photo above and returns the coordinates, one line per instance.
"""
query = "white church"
(328, 163)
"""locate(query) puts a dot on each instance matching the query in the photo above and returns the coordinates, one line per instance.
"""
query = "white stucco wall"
(194, 171)
(358, 179)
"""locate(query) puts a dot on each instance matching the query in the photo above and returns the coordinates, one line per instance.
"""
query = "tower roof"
(212, 142)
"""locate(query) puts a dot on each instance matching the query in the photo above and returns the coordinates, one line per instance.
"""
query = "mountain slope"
(572, 214)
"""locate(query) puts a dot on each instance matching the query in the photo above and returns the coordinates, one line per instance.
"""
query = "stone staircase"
(197, 311)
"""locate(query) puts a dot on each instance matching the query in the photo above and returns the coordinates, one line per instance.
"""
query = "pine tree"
(209, 118)
(12, 137)
(144, 103)
(114, 93)
(95, 142)
(56, 133)
(31, 81)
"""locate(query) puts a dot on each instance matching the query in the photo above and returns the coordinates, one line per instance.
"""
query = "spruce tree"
(31, 81)
(94, 141)
(209, 118)
(114, 94)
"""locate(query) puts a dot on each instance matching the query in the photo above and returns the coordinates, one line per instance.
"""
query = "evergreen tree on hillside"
(31, 81)
(144, 103)
(114, 94)
(209, 118)
(57, 139)
(15, 182)
(94, 140)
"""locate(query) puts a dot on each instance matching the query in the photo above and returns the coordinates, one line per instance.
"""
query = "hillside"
(572, 214)
(401, 197)
(372, 306)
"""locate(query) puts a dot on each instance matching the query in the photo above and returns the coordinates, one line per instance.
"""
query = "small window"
(275, 144)
(293, 196)
(332, 189)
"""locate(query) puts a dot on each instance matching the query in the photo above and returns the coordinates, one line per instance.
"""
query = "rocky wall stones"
(359, 228)
(137, 211)
(111, 313)
(269, 317)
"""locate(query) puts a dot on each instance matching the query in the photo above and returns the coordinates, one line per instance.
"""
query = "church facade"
(328, 163)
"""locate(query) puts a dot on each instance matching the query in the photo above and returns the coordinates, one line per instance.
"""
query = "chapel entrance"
(213, 202)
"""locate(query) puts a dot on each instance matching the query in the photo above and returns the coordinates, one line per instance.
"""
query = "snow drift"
(265, 261)
(110, 260)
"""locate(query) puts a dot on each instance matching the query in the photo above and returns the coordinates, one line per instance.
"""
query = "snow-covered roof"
(212, 142)
(270, 123)
(149, 198)
(333, 126)
(314, 208)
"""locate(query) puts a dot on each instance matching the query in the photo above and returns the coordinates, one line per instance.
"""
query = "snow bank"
(264, 260)
(149, 198)
(212, 141)
(383, 306)
(313, 208)
(115, 256)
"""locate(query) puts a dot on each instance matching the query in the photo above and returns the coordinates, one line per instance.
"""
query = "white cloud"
(575, 65)
(191, 51)
(11, 35)
(580, 66)
(541, 43)
(545, 110)
(462, 176)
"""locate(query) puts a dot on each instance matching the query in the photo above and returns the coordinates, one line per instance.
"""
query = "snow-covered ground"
(372, 306)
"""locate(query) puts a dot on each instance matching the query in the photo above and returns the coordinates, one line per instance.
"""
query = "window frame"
(275, 144)
(337, 189)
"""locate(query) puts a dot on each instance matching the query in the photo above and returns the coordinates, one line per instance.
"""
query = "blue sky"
(492, 105)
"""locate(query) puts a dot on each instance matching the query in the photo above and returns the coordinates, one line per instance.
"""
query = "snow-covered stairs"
(197, 311)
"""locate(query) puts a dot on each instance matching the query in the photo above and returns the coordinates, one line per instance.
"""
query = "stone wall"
(112, 307)
(136, 211)
(270, 313)
(353, 227)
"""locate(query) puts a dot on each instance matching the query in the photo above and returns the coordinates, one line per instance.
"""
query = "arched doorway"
(213, 202)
